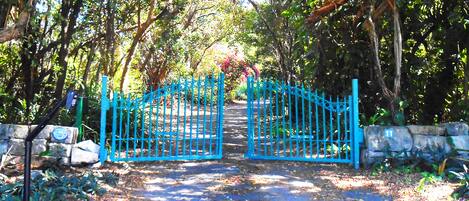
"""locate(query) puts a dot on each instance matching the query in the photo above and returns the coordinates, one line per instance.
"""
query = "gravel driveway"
(237, 178)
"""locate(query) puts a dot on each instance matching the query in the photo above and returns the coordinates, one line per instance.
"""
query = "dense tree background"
(411, 57)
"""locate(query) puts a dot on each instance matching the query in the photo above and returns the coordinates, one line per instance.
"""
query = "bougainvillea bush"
(236, 70)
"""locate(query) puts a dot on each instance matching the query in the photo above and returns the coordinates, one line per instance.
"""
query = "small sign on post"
(60, 134)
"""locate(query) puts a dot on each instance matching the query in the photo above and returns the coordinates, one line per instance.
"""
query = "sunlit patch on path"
(237, 178)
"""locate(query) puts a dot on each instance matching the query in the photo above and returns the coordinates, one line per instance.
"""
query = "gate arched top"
(337, 104)
(292, 128)
(176, 129)
(172, 88)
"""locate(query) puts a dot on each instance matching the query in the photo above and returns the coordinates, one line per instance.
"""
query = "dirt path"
(236, 178)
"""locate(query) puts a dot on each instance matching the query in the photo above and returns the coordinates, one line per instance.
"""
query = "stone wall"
(52, 150)
(429, 143)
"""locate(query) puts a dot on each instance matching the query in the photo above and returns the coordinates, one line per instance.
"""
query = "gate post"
(356, 130)
(102, 129)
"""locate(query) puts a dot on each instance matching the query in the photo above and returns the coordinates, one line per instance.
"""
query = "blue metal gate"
(179, 121)
(293, 123)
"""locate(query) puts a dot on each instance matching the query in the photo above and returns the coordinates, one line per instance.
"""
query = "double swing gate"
(179, 121)
(293, 123)
(184, 121)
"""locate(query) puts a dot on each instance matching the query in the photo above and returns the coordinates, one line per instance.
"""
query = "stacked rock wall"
(45, 146)
(429, 143)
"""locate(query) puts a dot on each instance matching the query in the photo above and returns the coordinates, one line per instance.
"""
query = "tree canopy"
(410, 56)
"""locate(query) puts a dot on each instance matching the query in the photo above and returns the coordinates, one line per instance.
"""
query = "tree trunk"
(4, 11)
(18, 29)
(27, 57)
(392, 96)
(89, 61)
(68, 29)
(137, 37)
(110, 33)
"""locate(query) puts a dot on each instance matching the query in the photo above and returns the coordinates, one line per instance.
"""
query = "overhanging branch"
(18, 29)
(317, 14)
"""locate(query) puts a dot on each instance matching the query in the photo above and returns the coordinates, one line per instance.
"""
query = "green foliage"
(463, 178)
(327, 54)
(45, 153)
(384, 117)
(427, 178)
(52, 185)
(241, 92)
(192, 38)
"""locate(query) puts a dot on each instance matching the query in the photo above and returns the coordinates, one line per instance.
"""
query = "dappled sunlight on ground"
(236, 178)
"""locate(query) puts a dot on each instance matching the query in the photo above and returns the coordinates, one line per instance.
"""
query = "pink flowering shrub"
(236, 71)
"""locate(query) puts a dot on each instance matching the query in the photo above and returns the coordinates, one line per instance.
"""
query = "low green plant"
(407, 169)
(384, 116)
(428, 178)
(54, 185)
(463, 178)
(381, 167)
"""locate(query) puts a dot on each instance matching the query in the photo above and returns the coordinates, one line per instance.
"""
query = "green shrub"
(463, 178)
(53, 185)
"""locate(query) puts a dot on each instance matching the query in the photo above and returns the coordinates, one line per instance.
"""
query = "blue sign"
(60, 134)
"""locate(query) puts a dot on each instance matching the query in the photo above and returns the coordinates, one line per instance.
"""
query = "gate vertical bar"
(205, 108)
(171, 100)
(185, 125)
(177, 116)
(338, 128)
(356, 132)
(142, 128)
(150, 122)
(102, 129)
(135, 139)
(121, 100)
(127, 128)
(190, 124)
(316, 115)
(163, 132)
(250, 135)
(271, 88)
(264, 107)
(114, 124)
(221, 85)
(277, 141)
(284, 131)
(212, 85)
(303, 118)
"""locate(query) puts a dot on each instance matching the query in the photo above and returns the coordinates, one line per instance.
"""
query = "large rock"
(86, 152)
(461, 144)
(4, 145)
(431, 144)
(80, 157)
(426, 130)
(36, 161)
(388, 138)
(8, 131)
(17, 147)
(368, 158)
(60, 150)
(21, 132)
(371, 157)
(5, 132)
(88, 145)
(456, 128)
